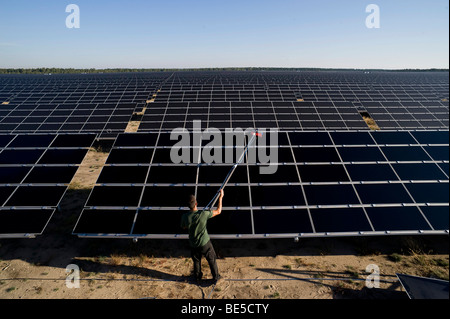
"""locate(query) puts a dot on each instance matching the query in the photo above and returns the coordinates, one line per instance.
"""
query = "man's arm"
(218, 211)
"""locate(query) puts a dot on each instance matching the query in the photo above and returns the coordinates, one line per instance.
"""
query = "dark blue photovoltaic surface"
(334, 174)
(35, 170)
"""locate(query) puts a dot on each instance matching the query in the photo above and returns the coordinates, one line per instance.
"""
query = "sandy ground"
(252, 269)
(312, 269)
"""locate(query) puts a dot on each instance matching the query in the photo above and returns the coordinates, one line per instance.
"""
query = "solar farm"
(356, 153)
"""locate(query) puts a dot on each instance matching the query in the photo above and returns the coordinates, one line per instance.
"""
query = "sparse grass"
(440, 262)
(370, 121)
(427, 266)
(420, 260)
(412, 246)
(100, 259)
(38, 290)
(395, 257)
(115, 260)
(10, 289)
(100, 148)
(78, 186)
(300, 262)
(133, 126)
(318, 275)
(438, 273)
(143, 259)
(352, 272)
(276, 295)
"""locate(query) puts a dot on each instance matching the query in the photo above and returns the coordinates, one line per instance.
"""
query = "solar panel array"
(310, 86)
(334, 175)
(282, 115)
(409, 114)
(108, 120)
(301, 101)
(35, 171)
(326, 182)
(103, 104)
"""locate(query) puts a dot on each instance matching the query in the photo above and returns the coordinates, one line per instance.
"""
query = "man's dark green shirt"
(195, 222)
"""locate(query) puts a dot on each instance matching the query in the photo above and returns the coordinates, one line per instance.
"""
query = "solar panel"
(35, 171)
(334, 176)
(103, 104)
(340, 183)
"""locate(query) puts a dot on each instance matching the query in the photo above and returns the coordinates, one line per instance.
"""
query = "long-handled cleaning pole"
(213, 201)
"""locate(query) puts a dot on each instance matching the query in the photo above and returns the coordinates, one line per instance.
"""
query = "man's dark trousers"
(210, 254)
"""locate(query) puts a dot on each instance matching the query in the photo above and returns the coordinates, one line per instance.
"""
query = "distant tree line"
(121, 70)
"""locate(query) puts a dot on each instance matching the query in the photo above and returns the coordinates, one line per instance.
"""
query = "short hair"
(192, 201)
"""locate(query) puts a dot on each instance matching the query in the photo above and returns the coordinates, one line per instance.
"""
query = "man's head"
(192, 203)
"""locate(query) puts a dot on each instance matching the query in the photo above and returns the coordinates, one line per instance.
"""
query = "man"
(199, 241)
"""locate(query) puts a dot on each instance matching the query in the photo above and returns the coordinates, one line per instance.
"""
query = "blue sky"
(231, 33)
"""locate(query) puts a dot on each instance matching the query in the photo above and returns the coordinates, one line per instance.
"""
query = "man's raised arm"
(219, 206)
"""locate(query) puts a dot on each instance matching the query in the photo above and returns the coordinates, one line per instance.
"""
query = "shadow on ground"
(329, 278)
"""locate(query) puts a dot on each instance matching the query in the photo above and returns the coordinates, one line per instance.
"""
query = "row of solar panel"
(66, 92)
(290, 122)
(30, 192)
(294, 222)
(242, 107)
(316, 116)
(104, 130)
(291, 96)
(46, 140)
(226, 96)
(300, 86)
(295, 115)
(275, 196)
(305, 198)
(31, 196)
(57, 99)
(72, 118)
(13, 108)
(41, 159)
(313, 87)
(288, 155)
(285, 173)
(286, 138)
(153, 126)
(292, 107)
(49, 87)
(118, 123)
(106, 119)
